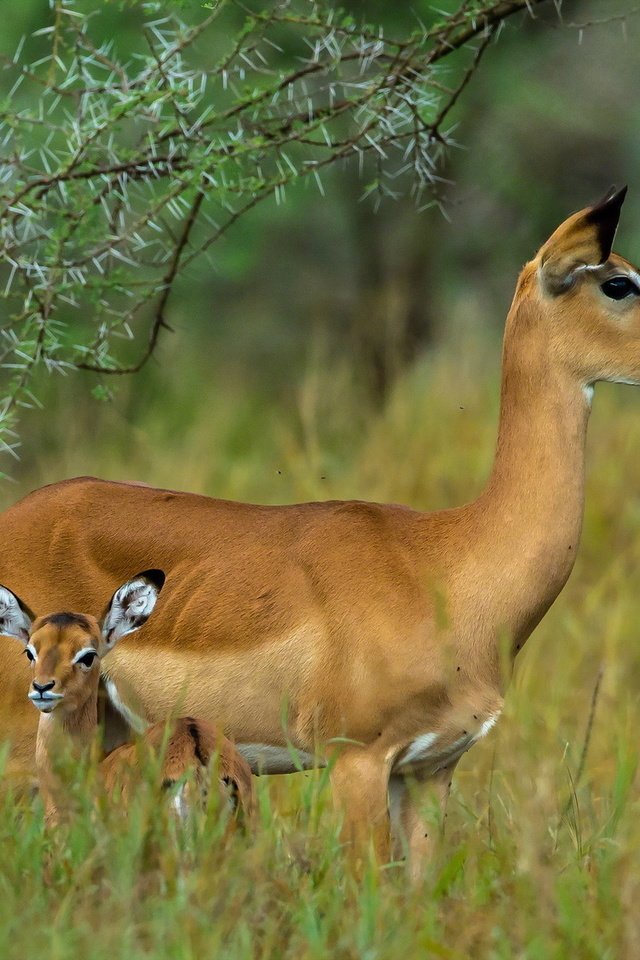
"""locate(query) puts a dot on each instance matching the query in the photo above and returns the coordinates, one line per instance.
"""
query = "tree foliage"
(119, 169)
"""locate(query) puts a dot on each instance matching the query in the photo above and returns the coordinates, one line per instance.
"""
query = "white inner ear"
(130, 609)
(13, 620)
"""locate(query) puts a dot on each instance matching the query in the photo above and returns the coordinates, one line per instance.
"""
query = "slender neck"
(77, 727)
(533, 504)
(57, 731)
(538, 471)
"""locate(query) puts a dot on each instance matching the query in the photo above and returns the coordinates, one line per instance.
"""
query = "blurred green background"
(302, 322)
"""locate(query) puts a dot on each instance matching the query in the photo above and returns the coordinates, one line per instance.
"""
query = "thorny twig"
(97, 155)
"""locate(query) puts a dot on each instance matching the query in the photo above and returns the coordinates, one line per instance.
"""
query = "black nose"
(41, 687)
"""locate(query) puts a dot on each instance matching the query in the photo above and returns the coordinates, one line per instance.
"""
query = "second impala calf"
(65, 650)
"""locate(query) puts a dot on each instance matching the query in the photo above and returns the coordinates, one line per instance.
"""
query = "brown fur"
(350, 627)
(192, 745)
(189, 745)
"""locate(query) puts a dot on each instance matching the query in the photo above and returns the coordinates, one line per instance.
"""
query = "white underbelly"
(264, 758)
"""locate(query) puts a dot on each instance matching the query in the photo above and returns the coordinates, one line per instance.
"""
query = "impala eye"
(87, 659)
(618, 288)
(30, 655)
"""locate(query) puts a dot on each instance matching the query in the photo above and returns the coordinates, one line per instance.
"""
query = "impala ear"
(15, 616)
(130, 607)
(582, 242)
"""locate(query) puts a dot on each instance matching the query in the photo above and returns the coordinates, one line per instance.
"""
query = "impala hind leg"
(359, 783)
(414, 827)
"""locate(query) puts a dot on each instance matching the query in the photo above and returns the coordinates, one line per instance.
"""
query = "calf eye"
(86, 661)
(617, 288)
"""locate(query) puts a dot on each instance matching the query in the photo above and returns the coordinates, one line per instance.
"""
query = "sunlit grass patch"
(540, 857)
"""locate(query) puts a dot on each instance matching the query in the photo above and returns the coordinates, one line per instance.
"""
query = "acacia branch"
(159, 320)
(115, 151)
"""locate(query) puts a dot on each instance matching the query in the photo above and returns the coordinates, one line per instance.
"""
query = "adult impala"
(373, 625)
(65, 650)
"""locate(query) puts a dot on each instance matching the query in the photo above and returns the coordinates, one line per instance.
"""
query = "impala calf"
(65, 651)
(364, 633)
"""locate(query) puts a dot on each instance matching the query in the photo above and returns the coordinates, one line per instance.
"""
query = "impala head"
(65, 649)
(590, 297)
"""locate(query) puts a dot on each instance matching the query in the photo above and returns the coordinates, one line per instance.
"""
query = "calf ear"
(15, 616)
(130, 607)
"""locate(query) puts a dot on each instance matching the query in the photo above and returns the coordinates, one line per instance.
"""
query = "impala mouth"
(47, 701)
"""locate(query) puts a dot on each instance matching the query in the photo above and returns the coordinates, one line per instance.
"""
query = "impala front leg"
(360, 782)
(414, 833)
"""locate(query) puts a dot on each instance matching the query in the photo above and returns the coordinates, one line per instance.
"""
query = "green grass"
(533, 864)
